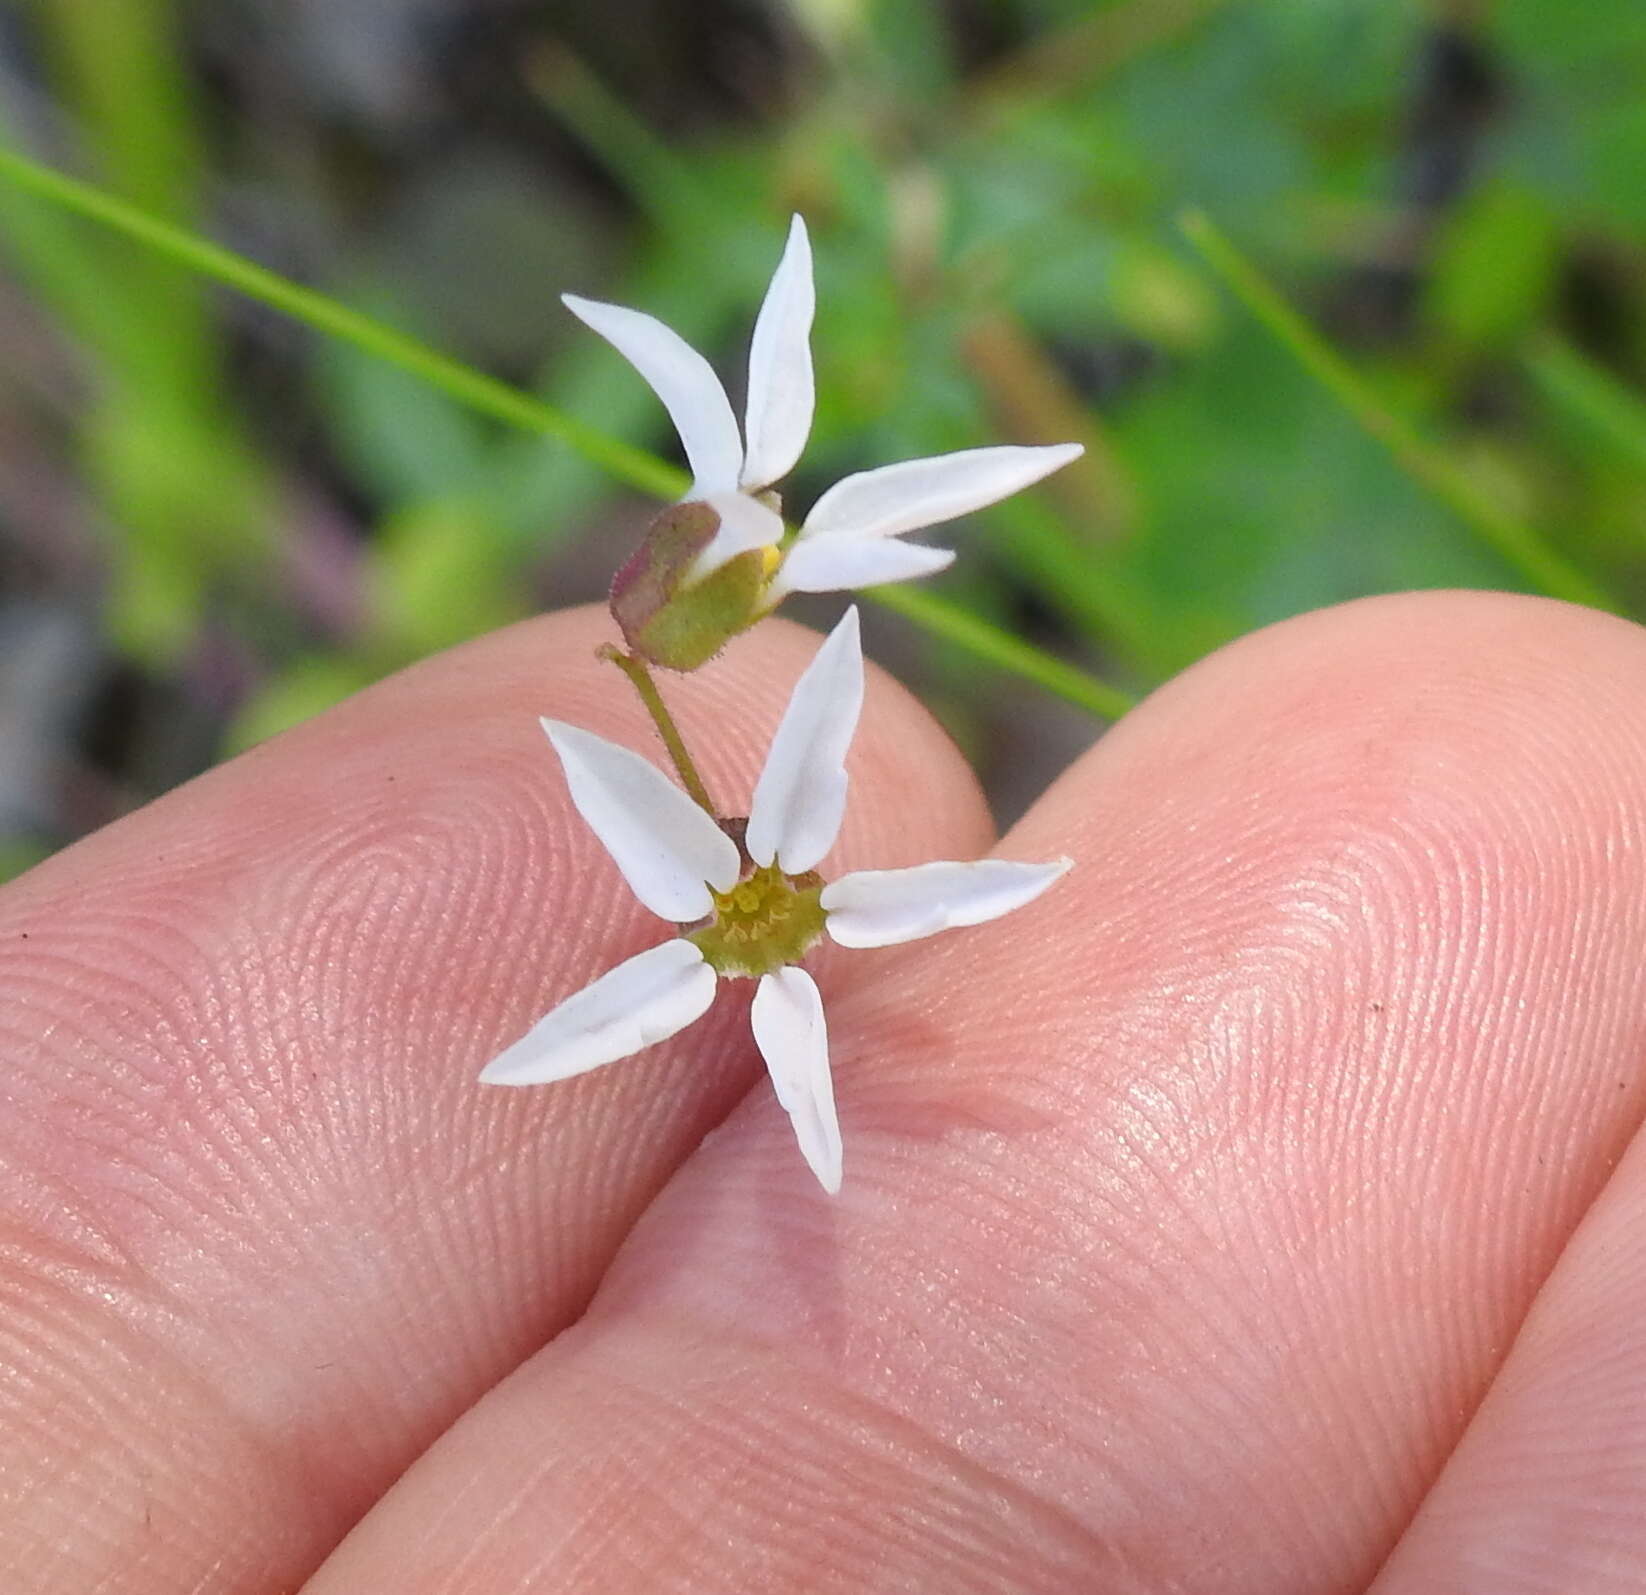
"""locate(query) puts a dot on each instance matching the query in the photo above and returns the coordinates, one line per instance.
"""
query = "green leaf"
(1544, 567)
(438, 574)
(404, 440)
(1494, 266)
(154, 605)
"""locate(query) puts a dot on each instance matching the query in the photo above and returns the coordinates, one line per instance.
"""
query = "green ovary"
(765, 921)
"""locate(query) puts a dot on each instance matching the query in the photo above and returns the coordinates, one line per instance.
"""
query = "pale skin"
(1259, 1211)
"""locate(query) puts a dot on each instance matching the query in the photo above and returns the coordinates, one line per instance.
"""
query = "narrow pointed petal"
(683, 380)
(779, 412)
(903, 498)
(800, 797)
(745, 523)
(646, 998)
(665, 845)
(787, 1016)
(842, 564)
(877, 908)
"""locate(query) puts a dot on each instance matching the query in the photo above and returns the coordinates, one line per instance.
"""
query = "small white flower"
(850, 539)
(762, 906)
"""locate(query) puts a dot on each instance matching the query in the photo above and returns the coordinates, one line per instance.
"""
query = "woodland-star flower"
(852, 537)
(753, 907)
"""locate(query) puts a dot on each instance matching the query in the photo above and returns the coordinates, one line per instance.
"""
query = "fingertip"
(254, 1016)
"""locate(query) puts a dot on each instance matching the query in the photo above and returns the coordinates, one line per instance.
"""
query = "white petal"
(875, 908)
(682, 379)
(646, 998)
(779, 412)
(665, 845)
(916, 493)
(745, 523)
(801, 794)
(839, 564)
(787, 1016)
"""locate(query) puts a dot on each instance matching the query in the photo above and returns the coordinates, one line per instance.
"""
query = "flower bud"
(672, 621)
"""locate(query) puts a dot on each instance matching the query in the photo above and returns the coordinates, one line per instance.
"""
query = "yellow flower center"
(768, 919)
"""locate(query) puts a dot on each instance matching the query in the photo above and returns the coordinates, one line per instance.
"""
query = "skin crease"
(1255, 1212)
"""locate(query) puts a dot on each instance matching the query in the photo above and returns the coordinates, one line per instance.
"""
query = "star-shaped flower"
(749, 902)
(852, 537)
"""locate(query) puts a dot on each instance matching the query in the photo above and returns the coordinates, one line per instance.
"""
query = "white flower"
(762, 906)
(850, 539)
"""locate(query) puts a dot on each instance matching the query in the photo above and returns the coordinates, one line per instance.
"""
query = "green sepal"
(674, 624)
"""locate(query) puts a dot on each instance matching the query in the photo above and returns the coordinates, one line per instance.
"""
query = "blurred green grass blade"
(913, 46)
(1000, 647)
(118, 65)
(1593, 395)
(509, 405)
(474, 388)
(120, 61)
(662, 183)
(1494, 267)
(1068, 57)
(1077, 580)
(50, 250)
(1521, 546)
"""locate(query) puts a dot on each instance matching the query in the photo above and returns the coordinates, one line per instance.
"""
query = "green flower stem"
(635, 669)
(1523, 547)
(509, 405)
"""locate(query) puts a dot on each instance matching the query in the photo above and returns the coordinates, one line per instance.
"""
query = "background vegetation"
(214, 521)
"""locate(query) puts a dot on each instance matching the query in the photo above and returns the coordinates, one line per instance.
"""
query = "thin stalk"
(509, 405)
(463, 383)
(1520, 545)
(1001, 648)
(634, 667)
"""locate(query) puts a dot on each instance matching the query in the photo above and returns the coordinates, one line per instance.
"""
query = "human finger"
(1543, 1494)
(1186, 1216)
(264, 1233)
